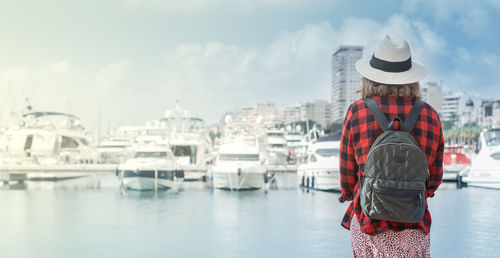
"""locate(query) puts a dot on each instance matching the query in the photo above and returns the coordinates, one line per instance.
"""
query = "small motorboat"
(454, 161)
(320, 170)
(485, 165)
(152, 168)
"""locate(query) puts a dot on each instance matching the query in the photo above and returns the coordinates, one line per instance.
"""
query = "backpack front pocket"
(400, 205)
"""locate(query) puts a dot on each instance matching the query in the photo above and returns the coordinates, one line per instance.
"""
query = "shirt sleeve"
(436, 169)
(348, 166)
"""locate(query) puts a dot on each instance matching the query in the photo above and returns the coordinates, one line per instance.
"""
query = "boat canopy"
(40, 114)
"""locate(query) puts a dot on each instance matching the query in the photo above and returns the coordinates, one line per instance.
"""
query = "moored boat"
(454, 161)
(485, 165)
(152, 168)
(278, 154)
(320, 170)
(239, 166)
(39, 142)
(189, 140)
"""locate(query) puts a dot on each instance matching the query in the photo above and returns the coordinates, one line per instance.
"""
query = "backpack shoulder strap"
(413, 116)
(377, 113)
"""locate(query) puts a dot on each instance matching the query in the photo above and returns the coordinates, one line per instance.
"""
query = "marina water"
(92, 217)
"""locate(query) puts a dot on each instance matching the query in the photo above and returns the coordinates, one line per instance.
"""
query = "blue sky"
(133, 59)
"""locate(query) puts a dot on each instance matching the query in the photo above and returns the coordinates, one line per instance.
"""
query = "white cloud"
(477, 58)
(60, 87)
(294, 66)
(213, 77)
(490, 59)
(463, 55)
(472, 16)
(112, 75)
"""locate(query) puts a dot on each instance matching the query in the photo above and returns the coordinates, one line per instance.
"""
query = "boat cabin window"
(67, 142)
(275, 134)
(84, 141)
(156, 132)
(185, 151)
(183, 125)
(312, 158)
(328, 152)
(239, 157)
(151, 154)
(113, 146)
(492, 137)
(277, 146)
(29, 142)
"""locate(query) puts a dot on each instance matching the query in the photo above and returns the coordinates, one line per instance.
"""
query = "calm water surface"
(91, 217)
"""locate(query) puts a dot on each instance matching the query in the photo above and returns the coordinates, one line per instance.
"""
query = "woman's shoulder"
(430, 112)
(356, 106)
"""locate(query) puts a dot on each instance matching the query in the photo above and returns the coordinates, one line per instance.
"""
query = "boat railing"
(334, 170)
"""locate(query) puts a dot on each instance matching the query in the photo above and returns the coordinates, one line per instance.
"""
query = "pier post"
(156, 180)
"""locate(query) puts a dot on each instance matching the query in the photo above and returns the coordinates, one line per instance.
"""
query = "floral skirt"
(406, 243)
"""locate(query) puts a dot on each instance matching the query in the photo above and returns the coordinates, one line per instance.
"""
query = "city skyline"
(126, 62)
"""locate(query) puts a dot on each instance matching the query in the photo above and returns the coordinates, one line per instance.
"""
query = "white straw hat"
(391, 63)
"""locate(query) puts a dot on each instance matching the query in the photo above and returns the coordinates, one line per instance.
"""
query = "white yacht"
(239, 166)
(485, 164)
(320, 169)
(152, 168)
(47, 138)
(189, 139)
(277, 148)
(296, 144)
(114, 150)
(48, 146)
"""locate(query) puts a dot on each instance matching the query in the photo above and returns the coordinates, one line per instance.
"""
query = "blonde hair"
(370, 88)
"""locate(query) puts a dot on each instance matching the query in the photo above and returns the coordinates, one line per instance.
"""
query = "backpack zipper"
(401, 193)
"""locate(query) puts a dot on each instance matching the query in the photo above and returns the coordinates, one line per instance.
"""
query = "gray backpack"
(396, 171)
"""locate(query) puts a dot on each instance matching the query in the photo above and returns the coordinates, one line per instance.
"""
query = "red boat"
(454, 161)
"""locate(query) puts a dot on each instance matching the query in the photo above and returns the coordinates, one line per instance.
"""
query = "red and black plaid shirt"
(358, 134)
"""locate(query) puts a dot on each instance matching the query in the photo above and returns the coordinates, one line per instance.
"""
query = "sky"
(124, 62)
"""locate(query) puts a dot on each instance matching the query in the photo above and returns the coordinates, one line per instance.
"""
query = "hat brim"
(416, 73)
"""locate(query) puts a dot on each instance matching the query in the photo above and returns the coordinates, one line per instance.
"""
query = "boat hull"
(319, 180)
(451, 175)
(241, 181)
(194, 172)
(148, 184)
(151, 180)
(484, 181)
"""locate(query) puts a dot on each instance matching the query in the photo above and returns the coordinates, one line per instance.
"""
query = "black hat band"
(391, 67)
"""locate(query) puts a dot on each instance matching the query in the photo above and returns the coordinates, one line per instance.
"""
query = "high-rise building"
(269, 113)
(461, 108)
(346, 81)
(322, 112)
(319, 111)
(292, 113)
(452, 103)
(432, 94)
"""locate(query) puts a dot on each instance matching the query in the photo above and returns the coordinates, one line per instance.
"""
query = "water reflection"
(93, 216)
(96, 181)
(15, 186)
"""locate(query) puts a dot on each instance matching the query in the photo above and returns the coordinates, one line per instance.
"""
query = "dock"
(24, 172)
(282, 169)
